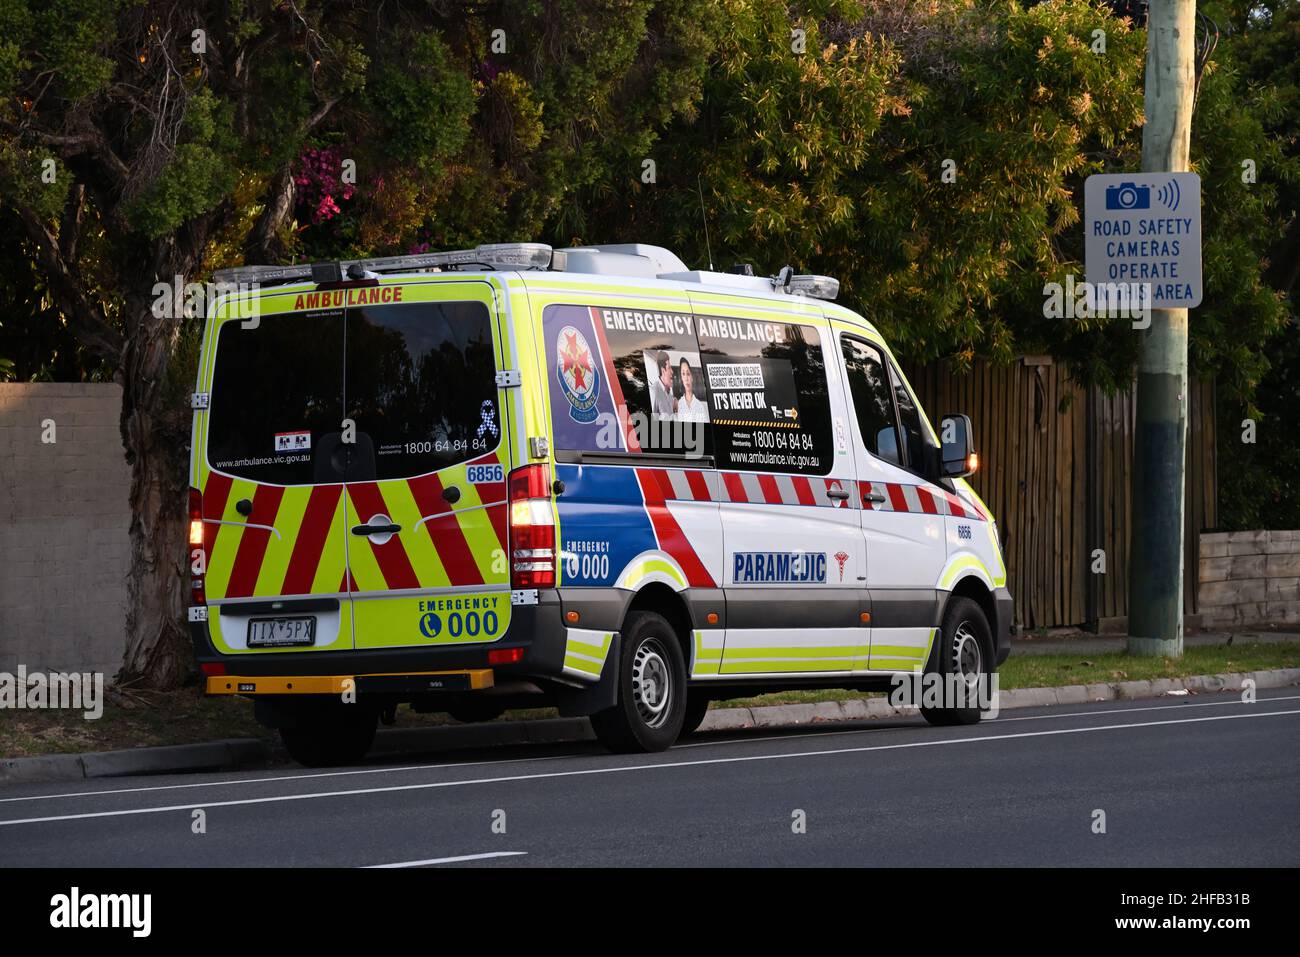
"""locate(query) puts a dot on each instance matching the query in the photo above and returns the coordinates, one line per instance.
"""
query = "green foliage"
(197, 176)
(426, 102)
(72, 37)
(1259, 482)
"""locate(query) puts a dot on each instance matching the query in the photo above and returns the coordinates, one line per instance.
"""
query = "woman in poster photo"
(689, 408)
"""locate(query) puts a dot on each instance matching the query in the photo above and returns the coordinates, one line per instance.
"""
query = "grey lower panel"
(603, 609)
(795, 608)
(906, 607)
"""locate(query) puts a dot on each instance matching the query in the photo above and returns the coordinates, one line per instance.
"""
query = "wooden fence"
(1056, 461)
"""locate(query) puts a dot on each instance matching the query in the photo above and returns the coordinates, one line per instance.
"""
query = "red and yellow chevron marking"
(301, 548)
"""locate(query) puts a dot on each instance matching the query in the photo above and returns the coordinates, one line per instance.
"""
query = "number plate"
(281, 632)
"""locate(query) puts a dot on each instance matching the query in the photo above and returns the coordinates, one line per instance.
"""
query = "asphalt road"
(1199, 781)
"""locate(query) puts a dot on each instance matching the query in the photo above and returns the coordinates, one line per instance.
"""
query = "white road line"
(1174, 703)
(581, 772)
(287, 777)
(448, 860)
(822, 731)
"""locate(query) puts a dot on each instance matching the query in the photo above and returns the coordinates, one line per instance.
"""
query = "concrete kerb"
(234, 753)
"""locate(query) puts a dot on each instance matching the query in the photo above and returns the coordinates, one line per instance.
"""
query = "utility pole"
(1155, 607)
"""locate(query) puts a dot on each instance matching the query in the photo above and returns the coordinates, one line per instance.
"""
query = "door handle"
(838, 493)
(875, 497)
(376, 529)
(451, 494)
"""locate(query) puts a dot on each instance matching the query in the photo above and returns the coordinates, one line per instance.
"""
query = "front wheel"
(959, 662)
(651, 689)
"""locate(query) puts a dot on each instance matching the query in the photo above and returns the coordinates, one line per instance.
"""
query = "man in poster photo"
(661, 390)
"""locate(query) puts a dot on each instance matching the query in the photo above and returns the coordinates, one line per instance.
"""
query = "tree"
(932, 157)
(143, 143)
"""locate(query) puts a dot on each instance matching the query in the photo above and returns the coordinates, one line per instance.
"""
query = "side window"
(626, 380)
(872, 401)
(914, 437)
(768, 398)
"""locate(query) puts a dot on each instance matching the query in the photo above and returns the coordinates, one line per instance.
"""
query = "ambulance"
(591, 479)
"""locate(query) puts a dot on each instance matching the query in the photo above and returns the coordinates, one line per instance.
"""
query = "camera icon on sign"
(1128, 196)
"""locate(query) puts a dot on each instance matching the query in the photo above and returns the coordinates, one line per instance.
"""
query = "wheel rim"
(652, 689)
(968, 658)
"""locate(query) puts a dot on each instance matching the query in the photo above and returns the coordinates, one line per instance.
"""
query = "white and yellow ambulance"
(590, 478)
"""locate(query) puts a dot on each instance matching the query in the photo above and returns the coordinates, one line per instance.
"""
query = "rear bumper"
(1005, 608)
(538, 630)
(469, 679)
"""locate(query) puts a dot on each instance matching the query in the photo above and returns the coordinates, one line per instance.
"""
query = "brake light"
(505, 656)
(213, 669)
(532, 528)
(198, 557)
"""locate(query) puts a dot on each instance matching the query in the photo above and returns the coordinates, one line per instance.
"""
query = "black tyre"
(651, 688)
(342, 737)
(961, 648)
(697, 706)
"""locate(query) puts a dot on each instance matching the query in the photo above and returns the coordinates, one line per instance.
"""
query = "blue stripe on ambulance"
(603, 522)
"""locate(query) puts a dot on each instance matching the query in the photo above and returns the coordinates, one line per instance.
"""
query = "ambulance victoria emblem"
(576, 369)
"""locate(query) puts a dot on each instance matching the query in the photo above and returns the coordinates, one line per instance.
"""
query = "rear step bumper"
(469, 679)
(538, 630)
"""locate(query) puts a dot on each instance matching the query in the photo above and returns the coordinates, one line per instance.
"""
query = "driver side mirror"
(959, 456)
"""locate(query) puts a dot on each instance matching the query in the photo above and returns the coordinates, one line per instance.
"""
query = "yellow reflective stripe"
(361, 557)
(959, 565)
(420, 550)
(221, 562)
(583, 665)
(707, 660)
(898, 651)
(771, 667)
(288, 521)
(824, 652)
(706, 654)
(647, 567)
(582, 648)
(581, 655)
(333, 557)
(479, 534)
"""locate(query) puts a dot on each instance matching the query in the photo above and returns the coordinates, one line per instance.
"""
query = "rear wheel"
(960, 662)
(341, 737)
(651, 688)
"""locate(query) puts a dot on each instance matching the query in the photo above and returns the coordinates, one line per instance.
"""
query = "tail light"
(505, 656)
(198, 557)
(532, 528)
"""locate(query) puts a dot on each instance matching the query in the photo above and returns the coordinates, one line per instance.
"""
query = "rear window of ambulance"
(421, 385)
(416, 379)
(276, 389)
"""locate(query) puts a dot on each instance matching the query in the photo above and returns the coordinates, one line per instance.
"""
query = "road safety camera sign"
(1142, 239)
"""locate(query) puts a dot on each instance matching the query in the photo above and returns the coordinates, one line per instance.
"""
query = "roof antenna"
(704, 217)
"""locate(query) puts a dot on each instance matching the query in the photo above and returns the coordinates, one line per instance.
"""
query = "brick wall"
(1250, 578)
(64, 521)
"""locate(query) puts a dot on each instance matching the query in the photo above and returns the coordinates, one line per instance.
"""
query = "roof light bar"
(491, 255)
(819, 287)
